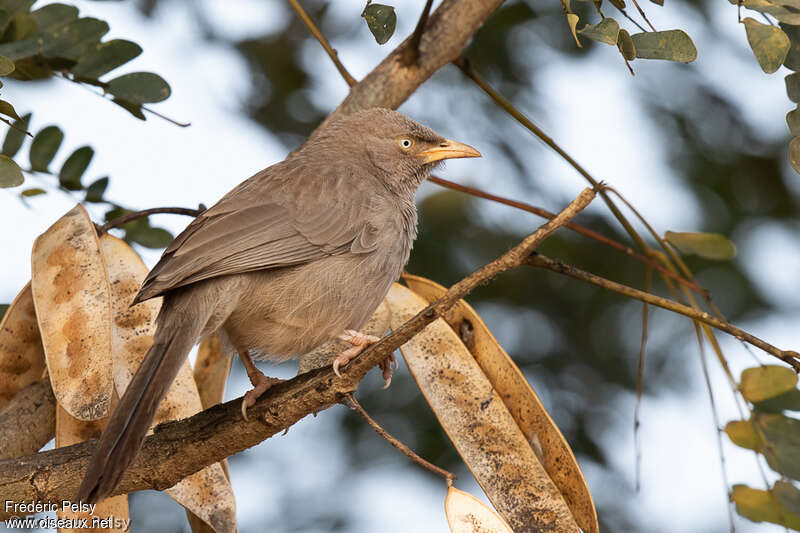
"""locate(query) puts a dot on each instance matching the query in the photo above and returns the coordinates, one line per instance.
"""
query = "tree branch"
(446, 33)
(178, 449)
(787, 356)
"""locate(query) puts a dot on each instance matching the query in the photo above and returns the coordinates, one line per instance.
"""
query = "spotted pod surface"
(522, 401)
(206, 493)
(21, 351)
(73, 308)
(479, 424)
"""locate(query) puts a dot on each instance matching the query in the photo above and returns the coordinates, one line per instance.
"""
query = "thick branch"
(444, 37)
(178, 449)
(30, 417)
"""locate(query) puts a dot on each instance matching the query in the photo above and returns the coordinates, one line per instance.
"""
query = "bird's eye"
(406, 143)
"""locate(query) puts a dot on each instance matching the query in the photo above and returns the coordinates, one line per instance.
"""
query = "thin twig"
(536, 130)
(625, 14)
(15, 127)
(351, 402)
(323, 41)
(577, 228)
(715, 416)
(135, 215)
(789, 357)
(411, 53)
(86, 83)
(648, 278)
(641, 12)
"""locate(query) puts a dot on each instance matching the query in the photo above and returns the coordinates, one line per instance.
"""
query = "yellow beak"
(448, 150)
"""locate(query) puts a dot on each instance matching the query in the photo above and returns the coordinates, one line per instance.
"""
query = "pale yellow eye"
(405, 144)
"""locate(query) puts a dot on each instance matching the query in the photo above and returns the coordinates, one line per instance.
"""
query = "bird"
(299, 254)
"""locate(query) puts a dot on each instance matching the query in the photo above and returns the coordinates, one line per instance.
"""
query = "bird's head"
(399, 151)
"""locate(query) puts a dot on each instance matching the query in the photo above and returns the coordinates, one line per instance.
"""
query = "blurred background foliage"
(579, 346)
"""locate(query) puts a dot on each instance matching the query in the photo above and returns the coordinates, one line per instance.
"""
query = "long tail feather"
(126, 431)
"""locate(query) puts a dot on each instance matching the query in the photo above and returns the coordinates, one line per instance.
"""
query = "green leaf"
(72, 40)
(74, 167)
(572, 21)
(381, 21)
(706, 245)
(626, 46)
(25, 48)
(672, 45)
(15, 136)
(788, 495)
(605, 31)
(3, 309)
(8, 110)
(742, 433)
(105, 57)
(781, 437)
(6, 66)
(133, 109)
(10, 173)
(149, 237)
(95, 191)
(22, 26)
(764, 382)
(53, 16)
(44, 147)
(769, 44)
(33, 192)
(762, 506)
(139, 88)
(619, 4)
(788, 401)
(794, 153)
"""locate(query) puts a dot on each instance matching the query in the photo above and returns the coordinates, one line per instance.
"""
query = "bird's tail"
(125, 433)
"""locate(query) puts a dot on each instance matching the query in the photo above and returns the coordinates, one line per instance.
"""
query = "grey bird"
(299, 254)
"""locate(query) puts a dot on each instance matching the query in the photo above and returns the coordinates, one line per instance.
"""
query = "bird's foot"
(359, 342)
(260, 382)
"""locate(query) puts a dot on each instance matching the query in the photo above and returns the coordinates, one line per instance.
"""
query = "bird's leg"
(261, 383)
(359, 342)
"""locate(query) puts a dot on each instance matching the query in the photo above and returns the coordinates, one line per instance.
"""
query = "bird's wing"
(265, 224)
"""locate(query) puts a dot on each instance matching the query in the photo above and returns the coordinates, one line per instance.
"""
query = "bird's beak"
(448, 150)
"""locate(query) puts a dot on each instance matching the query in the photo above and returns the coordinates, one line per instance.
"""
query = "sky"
(154, 163)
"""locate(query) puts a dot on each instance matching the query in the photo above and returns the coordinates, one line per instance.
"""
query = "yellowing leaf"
(762, 506)
(672, 45)
(794, 153)
(521, 401)
(73, 308)
(742, 433)
(572, 20)
(605, 31)
(706, 245)
(626, 46)
(769, 44)
(21, 351)
(467, 514)
(764, 382)
(479, 424)
(206, 493)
